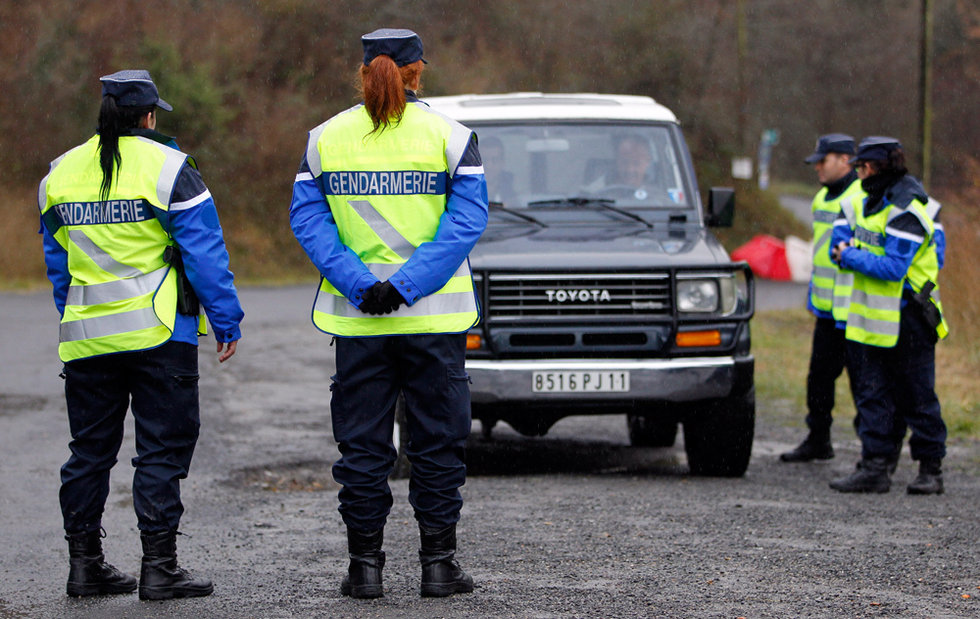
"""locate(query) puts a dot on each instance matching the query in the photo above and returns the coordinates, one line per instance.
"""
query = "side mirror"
(721, 207)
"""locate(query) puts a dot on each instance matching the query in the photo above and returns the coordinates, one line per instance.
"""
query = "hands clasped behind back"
(381, 298)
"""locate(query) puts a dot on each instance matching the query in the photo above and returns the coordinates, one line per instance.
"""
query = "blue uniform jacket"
(432, 263)
(193, 223)
(903, 237)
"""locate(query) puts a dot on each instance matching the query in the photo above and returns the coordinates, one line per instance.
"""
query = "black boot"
(893, 459)
(88, 573)
(816, 446)
(363, 579)
(160, 577)
(441, 574)
(930, 479)
(871, 475)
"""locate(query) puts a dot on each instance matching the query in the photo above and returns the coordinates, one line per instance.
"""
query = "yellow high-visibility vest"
(825, 272)
(387, 191)
(122, 295)
(875, 305)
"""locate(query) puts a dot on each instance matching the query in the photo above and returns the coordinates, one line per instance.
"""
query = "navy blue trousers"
(827, 361)
(892, 385)
(429, 371)
(162, 383)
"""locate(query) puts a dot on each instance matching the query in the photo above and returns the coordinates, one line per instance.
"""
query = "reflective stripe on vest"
(844, 280)
(399, 179)
(824, 275)
(122, 295)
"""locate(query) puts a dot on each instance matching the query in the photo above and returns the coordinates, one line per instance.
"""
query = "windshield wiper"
(605, 203)
(498, 207)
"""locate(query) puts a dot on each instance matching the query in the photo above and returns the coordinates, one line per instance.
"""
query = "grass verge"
(781, 344)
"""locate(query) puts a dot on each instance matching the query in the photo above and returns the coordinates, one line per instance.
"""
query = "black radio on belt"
(187, 302)
(929, 310)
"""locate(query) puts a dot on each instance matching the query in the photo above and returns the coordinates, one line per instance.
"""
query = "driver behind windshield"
(632, 175)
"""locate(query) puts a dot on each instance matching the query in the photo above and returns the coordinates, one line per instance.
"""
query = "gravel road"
(574, 524)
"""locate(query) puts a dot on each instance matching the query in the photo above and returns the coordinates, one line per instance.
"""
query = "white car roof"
(550, 106)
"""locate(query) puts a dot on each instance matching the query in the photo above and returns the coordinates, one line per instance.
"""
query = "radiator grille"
(578, 296)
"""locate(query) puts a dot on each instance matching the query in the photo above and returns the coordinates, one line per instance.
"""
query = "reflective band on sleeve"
(303, 176)
(902, 234)
(118, 290)
(470, 170)
(113, 324)
(186, 204)
(106, 262)
(385, 231)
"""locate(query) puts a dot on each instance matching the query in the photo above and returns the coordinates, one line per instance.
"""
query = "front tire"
(718, 436)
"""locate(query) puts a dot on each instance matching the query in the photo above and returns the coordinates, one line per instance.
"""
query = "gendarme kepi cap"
(133, 88)
(831, 143)
(402, 46)
(876, 148)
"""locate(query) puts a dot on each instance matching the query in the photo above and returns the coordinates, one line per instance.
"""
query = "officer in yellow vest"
(894, 319)
(389, 200)
(133, 249)
(832, 161)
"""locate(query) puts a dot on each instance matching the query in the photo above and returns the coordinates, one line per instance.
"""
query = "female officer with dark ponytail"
(894, 319)
(389, 200)
(133, 249)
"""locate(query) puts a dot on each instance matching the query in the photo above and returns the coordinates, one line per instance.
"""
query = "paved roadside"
(573, 524)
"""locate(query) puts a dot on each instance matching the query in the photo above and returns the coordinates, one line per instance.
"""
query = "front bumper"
(501, 382)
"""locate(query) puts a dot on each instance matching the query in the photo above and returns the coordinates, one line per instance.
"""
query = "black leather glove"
(369, 300)
(381, 298)
(389, 299)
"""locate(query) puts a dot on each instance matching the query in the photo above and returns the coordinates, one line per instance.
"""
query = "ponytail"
(383, 85)
(113, 121)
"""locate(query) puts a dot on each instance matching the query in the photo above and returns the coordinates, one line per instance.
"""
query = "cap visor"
(163, 105)
(815, 157)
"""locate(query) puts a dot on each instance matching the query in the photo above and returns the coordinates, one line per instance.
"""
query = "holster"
(187, 302)
(928, 309)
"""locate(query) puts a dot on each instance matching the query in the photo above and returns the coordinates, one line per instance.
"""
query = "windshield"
(533, 165)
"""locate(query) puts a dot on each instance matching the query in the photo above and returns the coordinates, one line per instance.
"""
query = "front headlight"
(705, 295)
(697, 295)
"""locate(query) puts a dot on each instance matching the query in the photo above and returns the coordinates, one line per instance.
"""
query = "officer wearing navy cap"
(130, 291)
(894, 319)
(389, 200)
(831, 159)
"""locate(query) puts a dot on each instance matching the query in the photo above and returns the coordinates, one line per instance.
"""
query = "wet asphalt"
(573, 524)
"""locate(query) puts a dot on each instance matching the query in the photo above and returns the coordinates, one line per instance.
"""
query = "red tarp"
(766, 256)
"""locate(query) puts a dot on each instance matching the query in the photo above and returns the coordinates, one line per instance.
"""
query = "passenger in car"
(500, 180)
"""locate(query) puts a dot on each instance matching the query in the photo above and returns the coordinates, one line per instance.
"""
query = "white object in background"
(742, 167)
(799, 256)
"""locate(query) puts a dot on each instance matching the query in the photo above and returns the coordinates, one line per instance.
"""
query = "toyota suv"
(602, 289)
